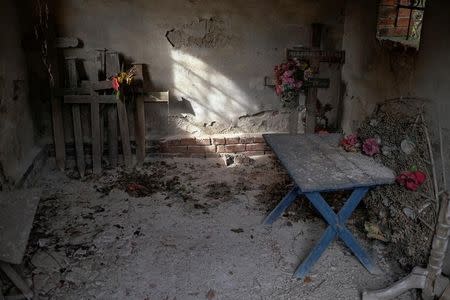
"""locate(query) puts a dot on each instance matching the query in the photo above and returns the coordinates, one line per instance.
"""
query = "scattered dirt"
(102, 238)
(405, 219)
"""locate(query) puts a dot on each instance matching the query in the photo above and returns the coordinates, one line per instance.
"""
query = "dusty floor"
(197, 235)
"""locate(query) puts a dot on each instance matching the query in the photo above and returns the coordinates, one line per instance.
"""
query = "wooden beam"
(78, 137)
(124, 133)
(88, 99)
(66, 42)
(86, 88)
(76, 117)
(139, 119)
(58, 132)
(112, 135)
(96, 147)
(321, 55)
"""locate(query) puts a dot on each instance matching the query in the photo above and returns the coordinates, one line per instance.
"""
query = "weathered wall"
(373, 72)
(211, 55)
(433, 73)
(17, 147)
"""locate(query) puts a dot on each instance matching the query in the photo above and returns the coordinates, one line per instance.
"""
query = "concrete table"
(317, 164)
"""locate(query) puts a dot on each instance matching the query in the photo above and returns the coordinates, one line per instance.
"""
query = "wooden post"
(96, 148)
(124, 133)
(58, 131)
(76, 116)
(139, 116)
(311, 95)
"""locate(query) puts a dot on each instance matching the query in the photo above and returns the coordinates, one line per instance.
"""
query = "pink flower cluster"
(350, 143)
(370, 146)
(288, 77)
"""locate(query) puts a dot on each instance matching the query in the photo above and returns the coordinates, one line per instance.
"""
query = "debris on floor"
(404, 214)
(184, 229)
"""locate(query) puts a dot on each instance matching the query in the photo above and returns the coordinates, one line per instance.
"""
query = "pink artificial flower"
(115, 84)
(371, 147)
(411, 180)
(278, 89)
(350, 143)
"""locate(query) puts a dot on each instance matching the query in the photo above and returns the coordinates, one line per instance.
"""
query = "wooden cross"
(314, 56)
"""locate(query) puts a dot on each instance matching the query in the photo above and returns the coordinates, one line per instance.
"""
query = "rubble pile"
(402, 218)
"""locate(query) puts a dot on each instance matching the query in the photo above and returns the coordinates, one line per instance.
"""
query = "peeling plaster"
(202, 33)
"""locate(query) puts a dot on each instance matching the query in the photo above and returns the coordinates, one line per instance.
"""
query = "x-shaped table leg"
(335, 229)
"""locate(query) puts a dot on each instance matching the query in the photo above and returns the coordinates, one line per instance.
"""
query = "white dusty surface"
(160, 247)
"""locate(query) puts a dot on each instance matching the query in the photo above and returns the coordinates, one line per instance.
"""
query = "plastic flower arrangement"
(289, 78)
(121, 80)
(411, 180)
(371, 147)
(350, 143)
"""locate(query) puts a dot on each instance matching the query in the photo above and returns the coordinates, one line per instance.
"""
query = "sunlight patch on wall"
(212, 95)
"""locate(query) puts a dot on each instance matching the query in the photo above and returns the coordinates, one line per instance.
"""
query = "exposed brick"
(233, 148)
(212, 155)
(246, 139)
(218, 141)
(386, 21)
(203, 141)
(402, 22)
(259, 139)
(255, 147)
(232, 140)
(202, 149)
(253, 153)
(187, 141)
(268, 152)
(251, 139)
(387, 12)
(388, 2)
(170, 142)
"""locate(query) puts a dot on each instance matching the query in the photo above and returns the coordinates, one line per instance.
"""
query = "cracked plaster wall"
(211, 55)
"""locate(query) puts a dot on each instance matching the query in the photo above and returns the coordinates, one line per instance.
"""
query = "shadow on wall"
(212, 95)
(212, 56)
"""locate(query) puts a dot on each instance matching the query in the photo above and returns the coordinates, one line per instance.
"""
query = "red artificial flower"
(115, 84)
(411, 180)
(371, 147)
(350, 143)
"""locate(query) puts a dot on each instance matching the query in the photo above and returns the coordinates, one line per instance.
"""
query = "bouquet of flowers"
(120, 80)
(289, 78)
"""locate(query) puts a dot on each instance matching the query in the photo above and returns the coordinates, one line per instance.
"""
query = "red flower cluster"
(350, 143)
(411, 180)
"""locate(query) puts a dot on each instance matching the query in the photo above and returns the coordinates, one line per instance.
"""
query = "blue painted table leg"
(336, 228)
(281, 207)
(359, 252)
(315, 254)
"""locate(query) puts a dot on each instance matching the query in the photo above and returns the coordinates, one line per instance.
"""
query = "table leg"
(314, 255)
(336, 228)
(282, 206)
